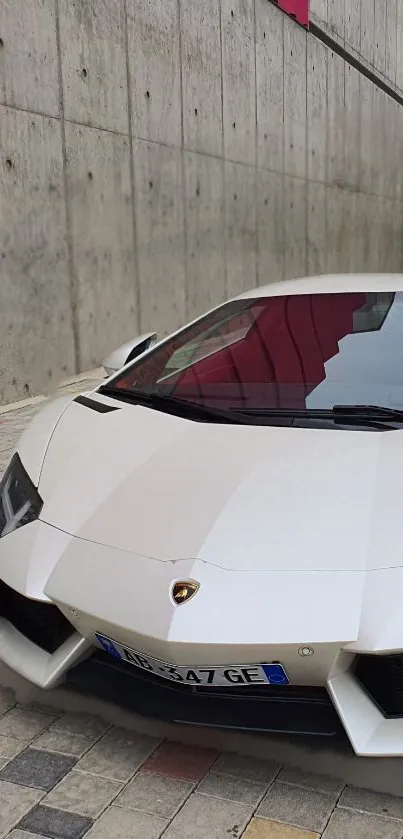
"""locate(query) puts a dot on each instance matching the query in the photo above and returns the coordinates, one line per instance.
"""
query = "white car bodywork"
(280, 528)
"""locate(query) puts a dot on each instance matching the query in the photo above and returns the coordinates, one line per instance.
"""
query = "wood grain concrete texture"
(399, 51)
(159, 182)
(37, 348)
(295, 101)
(104, 267)
(205, 232)
(241, 230)
(270, 87)
(391, 40)
(317, 109)
(316, 201)
(352, 26)
(29, 61)
(121, 213)
(155, 71)
(336, 17)
(295, 225)
(270, 227)
(200, 28)
(336, 72)
(367, 13)
(352, 128)
(369, 29)
(239, 81)
(379, 59)
(93, 63)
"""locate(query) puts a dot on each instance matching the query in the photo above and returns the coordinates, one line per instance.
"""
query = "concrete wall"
(156, 156)
(370, 30)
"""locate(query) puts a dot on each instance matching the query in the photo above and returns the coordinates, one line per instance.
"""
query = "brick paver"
(58, 783)
(70, 775)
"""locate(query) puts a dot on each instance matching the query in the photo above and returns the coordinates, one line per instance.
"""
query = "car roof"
(328, 283)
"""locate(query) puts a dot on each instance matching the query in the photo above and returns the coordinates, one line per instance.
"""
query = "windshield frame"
(131, 365)
(208, 335)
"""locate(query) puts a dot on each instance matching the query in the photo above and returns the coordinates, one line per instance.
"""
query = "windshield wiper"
(378, 412)
(370, 415)
(352, 414)
(171, 404)
(364, 411)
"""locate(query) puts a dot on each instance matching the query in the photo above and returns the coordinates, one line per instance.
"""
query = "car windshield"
(305, 351)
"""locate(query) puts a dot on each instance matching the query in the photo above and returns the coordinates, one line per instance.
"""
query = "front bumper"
(33, 663)
(36, 640)
(371, 730)
(50, 609)
(290, 710)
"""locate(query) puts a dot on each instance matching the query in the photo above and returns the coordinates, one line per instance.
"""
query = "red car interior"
(286, 347)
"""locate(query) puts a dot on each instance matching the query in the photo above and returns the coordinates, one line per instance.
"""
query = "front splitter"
(287, 710)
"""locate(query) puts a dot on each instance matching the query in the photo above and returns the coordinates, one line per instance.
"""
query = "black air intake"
(381, 676)
(41, 623)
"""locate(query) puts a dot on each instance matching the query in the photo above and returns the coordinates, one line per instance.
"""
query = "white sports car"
(215, 534)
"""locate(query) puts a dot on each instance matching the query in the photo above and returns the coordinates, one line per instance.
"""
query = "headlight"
(19, 499)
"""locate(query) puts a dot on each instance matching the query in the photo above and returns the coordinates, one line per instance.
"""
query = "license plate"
(223, 675)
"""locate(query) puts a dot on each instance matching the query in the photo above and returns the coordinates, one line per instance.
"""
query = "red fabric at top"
(297, 8)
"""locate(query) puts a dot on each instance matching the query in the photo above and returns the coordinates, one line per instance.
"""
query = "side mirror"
(128, 352)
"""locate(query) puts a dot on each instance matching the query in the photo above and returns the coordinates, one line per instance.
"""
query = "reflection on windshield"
(368, 365)
(290, 352)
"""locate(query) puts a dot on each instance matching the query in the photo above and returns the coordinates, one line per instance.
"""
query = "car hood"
(238, 497)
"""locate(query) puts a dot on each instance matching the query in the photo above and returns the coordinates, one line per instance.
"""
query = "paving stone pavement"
(70, 775)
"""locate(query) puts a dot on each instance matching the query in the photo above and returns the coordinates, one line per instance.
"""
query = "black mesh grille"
(381, 676)
(41, 623)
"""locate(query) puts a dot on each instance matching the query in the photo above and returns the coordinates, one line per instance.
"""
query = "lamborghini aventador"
(214, 534)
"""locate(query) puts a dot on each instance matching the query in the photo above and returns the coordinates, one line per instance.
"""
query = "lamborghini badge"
(183, 591)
